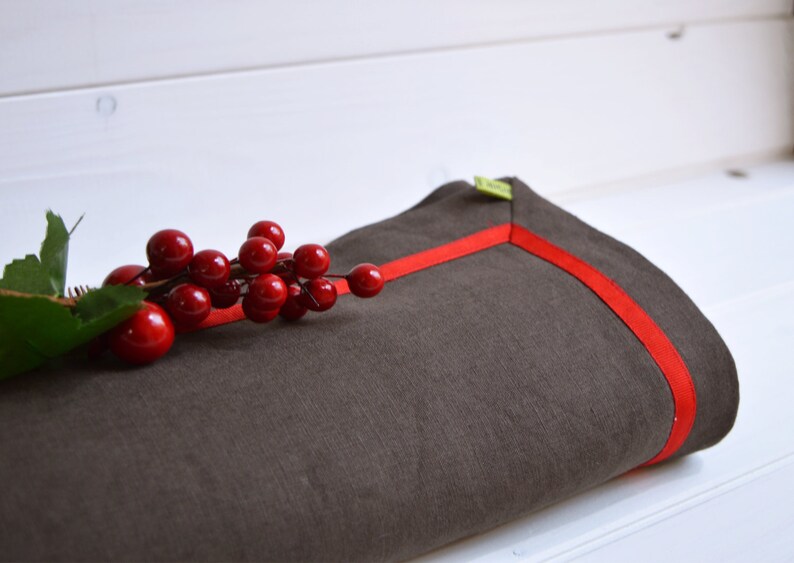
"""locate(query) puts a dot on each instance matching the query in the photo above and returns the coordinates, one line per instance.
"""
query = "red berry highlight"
(270, 230)
(144, 337)
(267, 291)
(226, 295)
(258, 255)
(169, 252)
(292, 310)
(209, 268)
(311, 261)
(365, 280)
(257, 314)
(128, 275)
(323, 293)
(188, 304)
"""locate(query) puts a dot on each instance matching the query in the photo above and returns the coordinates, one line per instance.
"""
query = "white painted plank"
(735, 230)
(369, 138)
(756, 319)
(753, 522)
(53, 44)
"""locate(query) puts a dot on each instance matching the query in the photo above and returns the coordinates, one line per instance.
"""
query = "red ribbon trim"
(635, 318)
(397, 268)
(644, 328)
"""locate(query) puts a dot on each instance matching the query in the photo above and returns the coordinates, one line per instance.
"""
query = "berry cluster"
(183, 287)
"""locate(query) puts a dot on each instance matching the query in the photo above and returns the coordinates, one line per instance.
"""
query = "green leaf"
(15, 356)
(35, 329)
(108, 306)
(45, 275)
(27, 275)
(55, 251)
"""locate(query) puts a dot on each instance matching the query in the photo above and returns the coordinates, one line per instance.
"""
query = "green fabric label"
(493, 188)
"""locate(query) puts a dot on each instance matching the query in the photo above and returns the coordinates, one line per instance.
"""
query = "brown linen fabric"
(464, 396)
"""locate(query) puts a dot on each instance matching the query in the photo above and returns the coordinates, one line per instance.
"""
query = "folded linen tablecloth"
(515, 357)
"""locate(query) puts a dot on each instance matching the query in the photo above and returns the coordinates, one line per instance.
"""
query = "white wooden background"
(327, 115)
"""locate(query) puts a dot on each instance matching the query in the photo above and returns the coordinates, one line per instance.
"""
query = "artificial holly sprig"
(138, 309)
(182, 286)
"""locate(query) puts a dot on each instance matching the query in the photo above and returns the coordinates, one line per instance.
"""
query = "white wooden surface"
(329, 115)
(52, 44)
(728, 242)
(370, 137)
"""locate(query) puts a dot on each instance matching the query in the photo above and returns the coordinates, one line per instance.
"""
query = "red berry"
(257, 314)
(287, 276)
(365, 280)
(144, 337)
(124, 275)
(267, 291)
(226, 295)
(324, 293)
(209, 268)
(284, 267)
(188, 304)
(311, 261)
(258, 255)
(270, 230)
(169, 252)
(292, 310)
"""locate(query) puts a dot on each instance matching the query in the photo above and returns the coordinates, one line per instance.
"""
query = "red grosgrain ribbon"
(638, 321)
